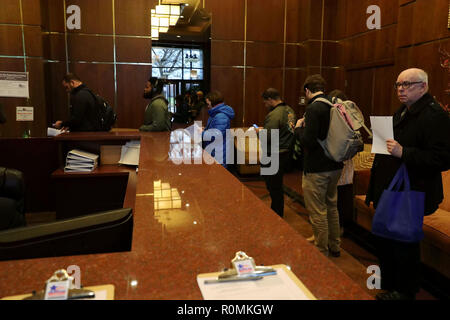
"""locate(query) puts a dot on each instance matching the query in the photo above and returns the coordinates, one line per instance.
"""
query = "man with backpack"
(84, 113)
(320, 173)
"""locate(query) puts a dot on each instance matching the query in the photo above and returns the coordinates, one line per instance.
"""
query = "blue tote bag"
(399, 214)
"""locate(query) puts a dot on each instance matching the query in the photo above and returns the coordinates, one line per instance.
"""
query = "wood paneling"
(230, 82)
(53, 15)
(294, 80)
(133, 17)
(257, 81)
(54, 47)
(226, 53)
(96, 16)
(32, 12)
(55, 95)
(265, 20)
(11, 41)
(33, 41)
(265, 54)
(10, 12)
(131, 80)
(90, 48)
(228, 19)
(133, 50)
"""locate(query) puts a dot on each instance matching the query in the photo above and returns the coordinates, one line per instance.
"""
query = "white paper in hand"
(383, 129)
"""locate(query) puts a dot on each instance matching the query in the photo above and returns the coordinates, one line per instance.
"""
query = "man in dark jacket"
(157, 116)
(84, 114)
(280, 117)
(320, 173)
(421, 141)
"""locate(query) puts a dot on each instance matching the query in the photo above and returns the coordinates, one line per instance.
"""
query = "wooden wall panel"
(294, 80)
(265, 54)
(33, 41)
(11, 41)
(52, 12)
(54, 47)
(133, 50)
(133, 17)
(226, 53)
(131, 80)
(257, 81)
(32, 12)
(265, 20)
(55, 94)
(357, 10)
(228, 19)
(96, 16)
(385, 101)
(90, 48)
(10, 12)
(230, 82)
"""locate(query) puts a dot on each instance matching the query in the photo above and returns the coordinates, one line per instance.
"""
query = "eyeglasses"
(405, 84)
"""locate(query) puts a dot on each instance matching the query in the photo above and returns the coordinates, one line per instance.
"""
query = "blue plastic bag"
(399, 214)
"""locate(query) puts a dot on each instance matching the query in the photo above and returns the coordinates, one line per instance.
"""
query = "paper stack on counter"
(130, 153)
(80, 161)
(52, 132)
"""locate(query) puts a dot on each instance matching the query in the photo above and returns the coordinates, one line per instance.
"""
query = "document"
(52, 132)
(14, 84)
(282, 286)
(130, 153)
(383, 129)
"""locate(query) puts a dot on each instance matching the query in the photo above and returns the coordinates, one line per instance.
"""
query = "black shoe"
(335, 254)
(393, 295)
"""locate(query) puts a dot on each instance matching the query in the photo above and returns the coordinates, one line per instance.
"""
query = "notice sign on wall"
(14, 84)
(24, 113)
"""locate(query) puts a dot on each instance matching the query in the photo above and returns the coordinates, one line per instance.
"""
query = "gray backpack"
(344, 140)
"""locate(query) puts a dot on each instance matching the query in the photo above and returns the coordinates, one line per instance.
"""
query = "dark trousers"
(400, 265)
(274, 184)
(345, 204)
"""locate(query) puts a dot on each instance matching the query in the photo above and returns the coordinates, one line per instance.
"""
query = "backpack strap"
(323, 100)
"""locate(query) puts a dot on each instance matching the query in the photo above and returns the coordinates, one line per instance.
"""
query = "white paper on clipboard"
(275, 287)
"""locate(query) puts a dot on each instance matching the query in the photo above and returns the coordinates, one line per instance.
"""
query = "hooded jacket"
(219, 118)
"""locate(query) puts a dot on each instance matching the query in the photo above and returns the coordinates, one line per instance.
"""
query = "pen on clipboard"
(253, 278)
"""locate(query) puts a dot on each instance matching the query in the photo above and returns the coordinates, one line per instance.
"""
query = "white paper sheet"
(130, 153)
(383, 129)
(275, 287)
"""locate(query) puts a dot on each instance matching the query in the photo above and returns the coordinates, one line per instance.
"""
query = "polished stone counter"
(214, 216)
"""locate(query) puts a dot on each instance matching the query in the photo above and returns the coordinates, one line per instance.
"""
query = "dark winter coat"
(424, 133)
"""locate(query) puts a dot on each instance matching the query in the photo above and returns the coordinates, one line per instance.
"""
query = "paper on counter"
(130, 153)
(52, 132)
(383, 129)
(274, 287)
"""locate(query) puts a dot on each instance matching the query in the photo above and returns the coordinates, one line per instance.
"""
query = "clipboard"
(265, 289)
(104, 292)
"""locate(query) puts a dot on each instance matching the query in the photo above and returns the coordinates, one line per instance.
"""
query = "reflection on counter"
(165, 196)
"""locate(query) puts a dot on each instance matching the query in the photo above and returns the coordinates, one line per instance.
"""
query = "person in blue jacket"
(220, 116)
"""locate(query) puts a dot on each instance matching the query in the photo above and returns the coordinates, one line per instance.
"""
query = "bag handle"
(400, 178)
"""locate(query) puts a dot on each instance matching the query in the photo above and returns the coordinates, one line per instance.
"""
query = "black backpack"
(106, 115)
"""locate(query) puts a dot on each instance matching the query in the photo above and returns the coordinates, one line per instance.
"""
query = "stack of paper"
(130, 153)
(80, 161)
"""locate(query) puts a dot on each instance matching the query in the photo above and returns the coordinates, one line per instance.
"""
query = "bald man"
(421, 141)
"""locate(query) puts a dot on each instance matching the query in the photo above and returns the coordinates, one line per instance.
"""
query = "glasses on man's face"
(405, 84)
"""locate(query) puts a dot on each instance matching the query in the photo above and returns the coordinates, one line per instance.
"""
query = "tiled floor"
(354, 259)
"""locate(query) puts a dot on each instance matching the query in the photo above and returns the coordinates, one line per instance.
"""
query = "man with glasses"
(422, 142)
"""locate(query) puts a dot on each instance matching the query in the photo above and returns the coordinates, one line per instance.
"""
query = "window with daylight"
(177, 63)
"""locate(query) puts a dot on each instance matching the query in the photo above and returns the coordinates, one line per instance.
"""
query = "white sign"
(14, 84)
(24, 114)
